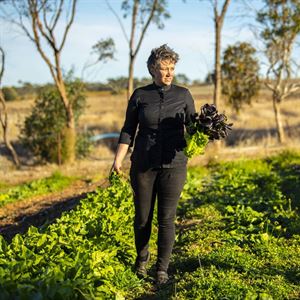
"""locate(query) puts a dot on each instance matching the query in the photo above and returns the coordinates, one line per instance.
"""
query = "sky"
(189, 31)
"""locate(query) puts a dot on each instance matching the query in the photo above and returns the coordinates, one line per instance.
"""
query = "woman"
(158, 165)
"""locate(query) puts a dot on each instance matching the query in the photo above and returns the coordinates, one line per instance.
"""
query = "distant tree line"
(114, 85)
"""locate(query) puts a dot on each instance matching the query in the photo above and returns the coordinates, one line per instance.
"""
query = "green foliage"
(280, 20)
(238, 237)
(196, 144)
(117, 85)
(83, 144)
(240, 74)
(210, 78)
(85, 254)
(279, 24)
(181, 78)
(144, 10)
(43, 131)
(287, 166)
(42, 186)
(105, 50)
(243, 239)
(10, 93)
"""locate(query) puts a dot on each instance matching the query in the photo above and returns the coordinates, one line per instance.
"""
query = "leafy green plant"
(242, 240)
(42, 186)
(86, 253)
(196, 144)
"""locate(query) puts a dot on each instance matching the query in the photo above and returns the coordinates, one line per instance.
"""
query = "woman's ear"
(152, 71)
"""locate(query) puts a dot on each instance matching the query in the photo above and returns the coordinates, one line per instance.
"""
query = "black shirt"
(160, 113)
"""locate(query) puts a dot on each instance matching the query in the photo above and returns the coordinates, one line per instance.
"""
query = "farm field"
(253, 133)
(67, 220)
(237, 237)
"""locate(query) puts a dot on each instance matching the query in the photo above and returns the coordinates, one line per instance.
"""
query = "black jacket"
(160, 113)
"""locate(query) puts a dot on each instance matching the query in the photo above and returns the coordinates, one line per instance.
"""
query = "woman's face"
(163, 72)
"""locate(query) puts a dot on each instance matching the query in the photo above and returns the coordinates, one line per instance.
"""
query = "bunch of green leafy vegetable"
(206, 126)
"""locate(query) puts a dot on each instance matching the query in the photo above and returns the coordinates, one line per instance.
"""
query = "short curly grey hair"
(164, 52)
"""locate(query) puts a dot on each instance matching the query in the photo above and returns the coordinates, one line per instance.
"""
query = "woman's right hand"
(120, 155)
(116, 167)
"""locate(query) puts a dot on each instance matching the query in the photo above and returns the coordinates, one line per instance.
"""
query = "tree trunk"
(130, 77)
(11, 149)
(69, 134)
(132, 52)
(278, 120)
(218, 77)
(4, 123)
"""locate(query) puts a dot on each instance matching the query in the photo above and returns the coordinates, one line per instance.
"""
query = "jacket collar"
(162, 89)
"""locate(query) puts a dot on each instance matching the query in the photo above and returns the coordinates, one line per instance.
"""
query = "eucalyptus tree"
(142, 13)
(240, 69)
(47, 24)
(4, 114)
(280, 27)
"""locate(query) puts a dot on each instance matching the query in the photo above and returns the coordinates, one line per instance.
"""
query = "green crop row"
(238, 237)
(243, 241)
(37, 187)
(86, 254)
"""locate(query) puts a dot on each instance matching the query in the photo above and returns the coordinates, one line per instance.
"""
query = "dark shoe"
(161, 277)
(140, 266)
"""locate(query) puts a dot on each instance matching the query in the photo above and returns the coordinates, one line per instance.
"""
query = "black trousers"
(167, 185)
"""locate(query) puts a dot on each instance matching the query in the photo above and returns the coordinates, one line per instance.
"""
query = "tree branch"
(20, 24)
(146, 27)
(35, 15)
(45, 17)
(57, 15)
(224, 9)
(133, 27)
(74, 2)
(119, 20)
(2, 64)
(38, 45)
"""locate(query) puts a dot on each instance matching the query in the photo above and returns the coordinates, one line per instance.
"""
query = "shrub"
(240, 74)
(10, 93)
(43, 131)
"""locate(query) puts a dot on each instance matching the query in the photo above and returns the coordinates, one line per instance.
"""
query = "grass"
(3, 185)
(244, 235)
(105, 112)
(55, 182)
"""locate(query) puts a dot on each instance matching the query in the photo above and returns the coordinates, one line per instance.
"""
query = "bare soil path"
(19, 216)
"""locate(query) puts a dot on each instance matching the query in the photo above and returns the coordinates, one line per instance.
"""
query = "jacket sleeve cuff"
(125, 138)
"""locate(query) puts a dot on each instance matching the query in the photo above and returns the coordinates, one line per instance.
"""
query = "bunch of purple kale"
(206, 126)
(210, 123)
